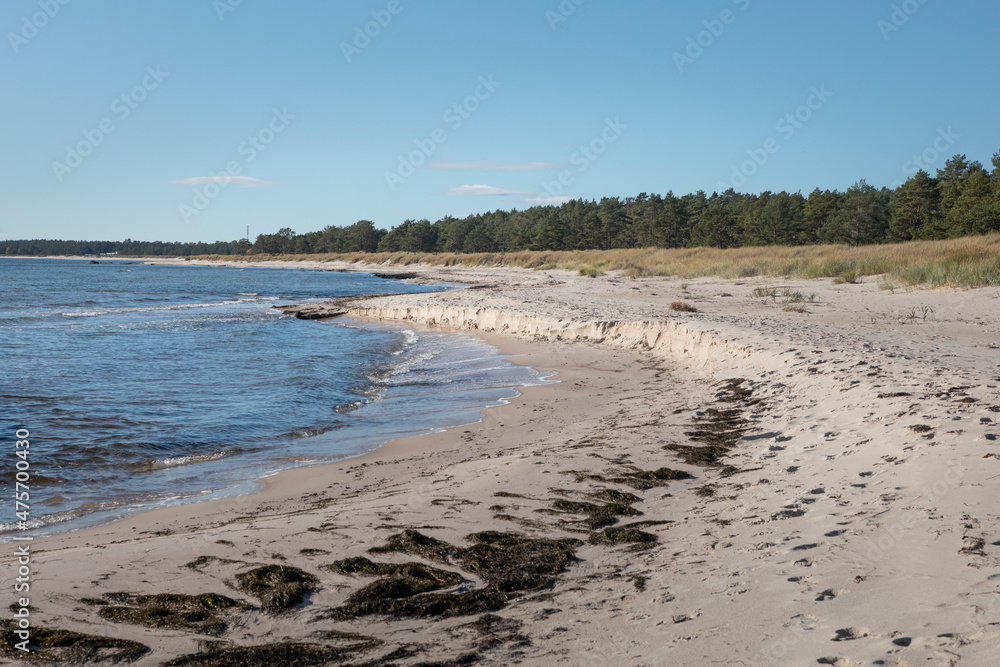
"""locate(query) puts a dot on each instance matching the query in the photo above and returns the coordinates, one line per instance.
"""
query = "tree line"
(128, 247)
(963, 198)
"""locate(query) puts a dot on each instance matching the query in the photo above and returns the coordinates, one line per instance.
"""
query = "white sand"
(848, 539)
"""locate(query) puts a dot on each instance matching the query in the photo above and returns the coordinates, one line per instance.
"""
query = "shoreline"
(455, 411)
(182, 535)
(277, 486)
(855, 524)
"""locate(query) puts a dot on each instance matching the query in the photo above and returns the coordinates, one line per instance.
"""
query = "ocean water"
(149, 385)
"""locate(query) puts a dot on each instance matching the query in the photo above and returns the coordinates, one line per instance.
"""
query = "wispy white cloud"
(484, 191)
(238, 181)
(549, 201)
(473, 165)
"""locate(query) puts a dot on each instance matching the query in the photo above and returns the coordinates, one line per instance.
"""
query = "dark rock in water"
(395, 276)
(320, 311)
(316, 311)
(93, 261)
(317, 314)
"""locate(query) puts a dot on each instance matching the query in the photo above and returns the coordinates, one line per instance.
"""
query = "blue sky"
(192, 119)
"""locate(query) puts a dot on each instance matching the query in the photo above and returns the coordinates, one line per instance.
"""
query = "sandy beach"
(790, 473)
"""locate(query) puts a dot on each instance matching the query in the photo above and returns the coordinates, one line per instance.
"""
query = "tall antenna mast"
(248, 233)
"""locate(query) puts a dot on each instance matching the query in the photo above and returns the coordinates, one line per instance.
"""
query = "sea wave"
(121, 311)
(72, 514)
(177, 461)
(311, 432)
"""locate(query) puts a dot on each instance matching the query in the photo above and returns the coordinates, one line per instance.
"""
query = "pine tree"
(774, 219)
(951, 182)
(974, 212)
(862, 217)
(818, 209)
(616, 227)
(717, 225)
(915, 209)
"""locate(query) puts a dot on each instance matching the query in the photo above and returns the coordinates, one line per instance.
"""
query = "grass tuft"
(683, 307)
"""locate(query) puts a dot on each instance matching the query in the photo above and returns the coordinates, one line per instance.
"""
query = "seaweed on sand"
(199, 563)
(313, 552)
(733, 391)
(628, 534)
(403, 589)
(287, 654)
(719, 428)
(416, 544)
(495, 630)
(696, 455)
(597, 516)
(278, 587)
(399, 580)
(718, 431)
(508, 563)
(55, 645)
(460, 661)
(514, 563)
(385, 599)
(636, 478)
(197, 613)
(361, 565)
(612, 496)
(659, 477)
(508, 494)
(524, 523)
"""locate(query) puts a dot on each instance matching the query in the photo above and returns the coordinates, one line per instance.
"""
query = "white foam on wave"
(119, 311)
(410, 339)
(176, 461)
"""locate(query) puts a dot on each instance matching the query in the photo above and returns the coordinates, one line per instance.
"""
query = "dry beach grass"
(972, 261)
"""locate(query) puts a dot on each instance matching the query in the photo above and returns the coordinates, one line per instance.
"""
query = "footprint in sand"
(830, 594)
(848, 634)
(838, 661)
